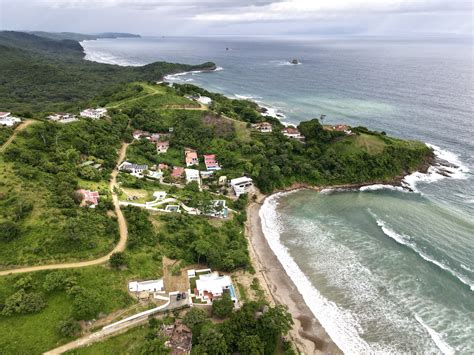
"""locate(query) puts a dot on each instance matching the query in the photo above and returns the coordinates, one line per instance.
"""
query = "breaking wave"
(437, 339)
(406, 241)
(341, 326)
(448, 165)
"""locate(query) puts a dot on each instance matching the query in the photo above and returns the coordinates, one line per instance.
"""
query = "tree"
(68, 328)
(154, 345)
(117, 260)
(85, 304)
(58, 280)
(22, 302)
(194, 317)
(212, 341)
(223, 307)
(251, 345)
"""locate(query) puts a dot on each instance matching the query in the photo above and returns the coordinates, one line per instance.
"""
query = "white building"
(62, 118)
(241, 185)
(134, 169)
(204, 100)
(192, 175)
(7, 120)
(148, 286)
(94, 113)
(212, 285)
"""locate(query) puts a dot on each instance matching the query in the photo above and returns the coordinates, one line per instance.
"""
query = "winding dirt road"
(21, 127)
(122, 230)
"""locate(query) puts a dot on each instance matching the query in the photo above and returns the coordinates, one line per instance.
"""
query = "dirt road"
(21, 127)
(122, 230)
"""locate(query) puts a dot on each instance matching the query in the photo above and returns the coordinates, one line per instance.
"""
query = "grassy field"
(127, 343)
(363, 142)
(36, 333)
(153, 96)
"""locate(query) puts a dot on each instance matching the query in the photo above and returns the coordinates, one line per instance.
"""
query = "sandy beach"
(307, 333)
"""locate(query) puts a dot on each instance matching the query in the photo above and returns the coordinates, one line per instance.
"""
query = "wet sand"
(307, 333)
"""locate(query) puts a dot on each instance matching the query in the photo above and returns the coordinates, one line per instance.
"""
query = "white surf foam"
(178, 77)
(438, 172)
(284, 63)
(246, 97)
(406, 240)
(376, 187)
(341, 326)
(437, 338)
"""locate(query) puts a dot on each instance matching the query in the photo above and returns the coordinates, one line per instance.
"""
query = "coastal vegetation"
(42, 219)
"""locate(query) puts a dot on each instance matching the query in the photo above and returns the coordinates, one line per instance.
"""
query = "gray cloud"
(217, 17)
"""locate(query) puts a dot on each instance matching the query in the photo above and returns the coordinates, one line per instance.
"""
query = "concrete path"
(120, 326)
(122, 230)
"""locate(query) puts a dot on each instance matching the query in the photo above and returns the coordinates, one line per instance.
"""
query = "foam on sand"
(339, 324)
(437, 339)
(406, 241)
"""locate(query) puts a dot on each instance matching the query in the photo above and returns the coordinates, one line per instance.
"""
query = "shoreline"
(307, 333)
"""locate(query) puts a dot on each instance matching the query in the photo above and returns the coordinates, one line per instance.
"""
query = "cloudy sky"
(242, 17)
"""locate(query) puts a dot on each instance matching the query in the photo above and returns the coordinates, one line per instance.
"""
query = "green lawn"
(357, 143)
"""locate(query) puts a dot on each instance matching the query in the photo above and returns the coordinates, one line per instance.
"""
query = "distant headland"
(82, 37)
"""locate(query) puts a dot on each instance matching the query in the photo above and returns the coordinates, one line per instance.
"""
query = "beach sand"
(307, 333)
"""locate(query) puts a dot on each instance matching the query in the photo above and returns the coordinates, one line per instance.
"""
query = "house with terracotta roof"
(191, 157)
(342, 128)
(211, 162)
(292, 132)
(162, 147)
(90, 198)
(4, 114)
(177, 172)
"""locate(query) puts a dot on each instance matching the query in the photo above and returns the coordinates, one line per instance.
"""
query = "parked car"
(183, 295)
(178, 297)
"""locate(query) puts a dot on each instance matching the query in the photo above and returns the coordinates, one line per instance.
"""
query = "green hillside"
(44, 74)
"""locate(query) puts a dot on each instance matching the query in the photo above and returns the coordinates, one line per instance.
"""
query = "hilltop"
(82, 37)
(40, 73)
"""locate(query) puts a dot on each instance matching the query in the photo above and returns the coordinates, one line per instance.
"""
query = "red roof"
(290, 130)
(177, 172)
(90, 196)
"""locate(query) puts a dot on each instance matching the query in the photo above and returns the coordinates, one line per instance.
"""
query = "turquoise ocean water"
(384, 270)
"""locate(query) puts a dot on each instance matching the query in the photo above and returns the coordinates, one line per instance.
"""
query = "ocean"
(385, 270)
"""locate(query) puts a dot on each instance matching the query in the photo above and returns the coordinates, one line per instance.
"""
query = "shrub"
(117, 260)
(22, 302)
(9, 231)
(68, 328)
